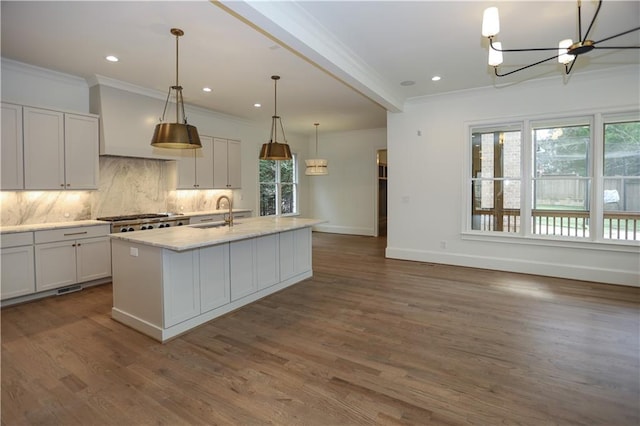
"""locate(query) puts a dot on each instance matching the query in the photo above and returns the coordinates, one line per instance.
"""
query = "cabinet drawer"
(16, 240)
(206, 219)
(66, 234)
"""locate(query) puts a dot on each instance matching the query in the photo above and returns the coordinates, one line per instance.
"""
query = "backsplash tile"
(127, 186)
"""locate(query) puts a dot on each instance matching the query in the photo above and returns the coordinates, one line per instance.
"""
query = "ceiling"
(341, 62)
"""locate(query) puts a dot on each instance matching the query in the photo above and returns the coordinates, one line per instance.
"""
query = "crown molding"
(24, 68)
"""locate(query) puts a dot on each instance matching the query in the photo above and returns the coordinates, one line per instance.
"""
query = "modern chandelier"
(274, 150)
(566, 52)
(316, 166)
(178, 135)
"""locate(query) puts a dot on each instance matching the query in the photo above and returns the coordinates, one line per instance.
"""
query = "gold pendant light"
(316, 166)
(178, 135)
(274, 150)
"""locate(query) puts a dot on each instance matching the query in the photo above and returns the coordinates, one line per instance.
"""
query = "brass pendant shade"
(178, 135)
(274, 150)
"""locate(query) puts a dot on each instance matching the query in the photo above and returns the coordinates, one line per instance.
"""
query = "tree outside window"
(278, 187)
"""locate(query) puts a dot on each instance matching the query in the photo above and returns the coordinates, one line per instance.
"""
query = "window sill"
(551, 241)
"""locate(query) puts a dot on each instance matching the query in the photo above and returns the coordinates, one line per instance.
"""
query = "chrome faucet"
(227, 220)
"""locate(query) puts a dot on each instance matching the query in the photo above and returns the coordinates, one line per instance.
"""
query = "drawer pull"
(206, 220)
(75, 233)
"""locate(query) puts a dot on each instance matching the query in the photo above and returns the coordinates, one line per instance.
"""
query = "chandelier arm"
(617, 35)
(525, 67)
(533, 49)
(595, 15)
(184, 114)
(568, 68)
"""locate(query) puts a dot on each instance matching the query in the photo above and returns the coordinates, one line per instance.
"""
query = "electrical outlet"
(443, 244)
(133, 251)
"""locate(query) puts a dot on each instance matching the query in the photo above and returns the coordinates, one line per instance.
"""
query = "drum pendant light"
(274, 150)
(316, 166)
(178, 135)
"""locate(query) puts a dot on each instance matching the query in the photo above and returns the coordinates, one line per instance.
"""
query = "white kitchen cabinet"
(295, 252)
(206, 218)
(71, 255)
(243, 272)
(226, 164)
(182, 288)
(195, 166)
(60, 150)
(17, 278)
(254, 265)
(215, 287)
(11, 156)
(81, 151)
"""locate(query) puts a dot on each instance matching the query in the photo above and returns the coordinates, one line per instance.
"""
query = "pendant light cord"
(316, 124)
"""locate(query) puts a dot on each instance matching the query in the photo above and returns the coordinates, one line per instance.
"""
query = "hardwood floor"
(368, 340)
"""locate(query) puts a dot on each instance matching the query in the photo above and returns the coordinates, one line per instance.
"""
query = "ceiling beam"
(291, 26)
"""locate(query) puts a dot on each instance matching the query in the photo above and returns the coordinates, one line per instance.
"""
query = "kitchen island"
(168, 281)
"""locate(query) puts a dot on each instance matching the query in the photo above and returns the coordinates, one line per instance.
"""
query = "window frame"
(278, 183)
(525, 235)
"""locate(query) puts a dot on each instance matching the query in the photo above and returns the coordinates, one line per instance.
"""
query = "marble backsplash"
(127, 186)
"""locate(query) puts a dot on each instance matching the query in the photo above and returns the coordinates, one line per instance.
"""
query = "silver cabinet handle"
(75, 233)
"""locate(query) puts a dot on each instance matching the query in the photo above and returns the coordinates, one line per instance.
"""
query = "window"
(278, 187)
(561, 178)
(621, 186)
(496, 180)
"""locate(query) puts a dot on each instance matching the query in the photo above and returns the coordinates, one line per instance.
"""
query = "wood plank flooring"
(368, 340)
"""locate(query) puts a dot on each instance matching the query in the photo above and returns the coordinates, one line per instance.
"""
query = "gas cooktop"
(133, 217)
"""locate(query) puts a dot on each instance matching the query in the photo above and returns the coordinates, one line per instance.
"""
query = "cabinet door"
(93, 258)
(181, 286)
(11, 156)
(204, 163)
(185, 169)
(242, 256)
(18, 276)
(215, 288)
(295, 252)
(55, 265)
(43, 149)
(234, 169)
(267, 261)
(220, 163)
(81, 151)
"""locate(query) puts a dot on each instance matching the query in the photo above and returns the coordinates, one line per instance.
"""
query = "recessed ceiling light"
(206, 89)
(111, 58)
(257, 105)
(436, 78)
(407, 83)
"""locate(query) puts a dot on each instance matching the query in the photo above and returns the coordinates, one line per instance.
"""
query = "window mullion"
(596, 216)
(526, 194)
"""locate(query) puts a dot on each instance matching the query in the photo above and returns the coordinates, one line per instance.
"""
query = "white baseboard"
(561, 270)
(349, 230)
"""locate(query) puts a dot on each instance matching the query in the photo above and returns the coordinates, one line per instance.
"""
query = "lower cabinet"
(254, 265)
(17, 278)
(163, 293)
(196, 281)
(65, 263)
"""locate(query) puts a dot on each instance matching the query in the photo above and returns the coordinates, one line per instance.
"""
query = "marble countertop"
(52, 225)
(195, 236)
(79, 223)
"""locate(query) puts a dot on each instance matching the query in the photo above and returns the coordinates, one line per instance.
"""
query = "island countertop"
(193, 236)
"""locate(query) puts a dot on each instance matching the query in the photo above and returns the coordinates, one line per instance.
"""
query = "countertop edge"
(211, 237)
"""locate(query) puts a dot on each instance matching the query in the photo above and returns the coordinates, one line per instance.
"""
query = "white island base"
(164, 292)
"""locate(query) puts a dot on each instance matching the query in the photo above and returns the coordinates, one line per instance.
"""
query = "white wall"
(347, 197)
(426, 183)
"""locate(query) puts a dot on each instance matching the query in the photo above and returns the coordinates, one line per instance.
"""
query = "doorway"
(381, 159)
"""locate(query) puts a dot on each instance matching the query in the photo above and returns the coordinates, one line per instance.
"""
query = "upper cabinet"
(44, 149)
(60, 150)
(195, 166)
(226, 164)
(11, 155)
